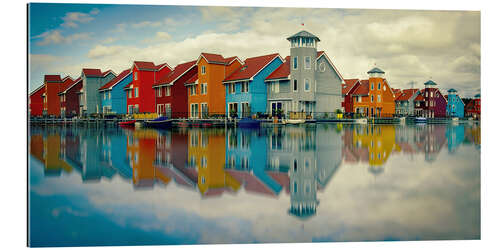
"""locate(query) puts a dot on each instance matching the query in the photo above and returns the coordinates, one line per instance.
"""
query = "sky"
(409, 45)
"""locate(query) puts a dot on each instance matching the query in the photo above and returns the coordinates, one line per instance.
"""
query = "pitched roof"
(251, 67)
(376, 70)
(192, 79)
(347, 86)
(362, 89)
(64, 90)
(214, 58)
(406, 94)
(303, 33)
(141, 65)
(162, 65)
(41, 87)
(178, 71)
(52, 78)
(419, 98)
(116, 80)
(283, 71)
(66, 83)
(92, 72)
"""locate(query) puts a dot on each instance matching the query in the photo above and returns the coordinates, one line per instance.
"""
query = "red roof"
(115, 80)
(362, 89)
(73, 83)
(67, 83)
(229, 59)
(214, 58)
(419, 98)
(145, 65)
(349, 83)
(251, 67)
(251, 183)
(319, 53)
(406, 94)
(193, 78)
(52, 78)
(178, 71)
(92, 72)
(283, 71)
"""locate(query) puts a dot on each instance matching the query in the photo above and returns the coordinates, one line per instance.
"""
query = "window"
(295, 62)
(192, 90)
(372, 86)
(136, 92)
(307, 62)
(378, 98)
(322, 67)
(245, 109)
(194, 110)
(203, 180)
(244, 87)
(359, 98)
(129, 93)
(431, 94)
(295, 85)
(275, 86)
(204, 110)
(295, 187)
(372, 98)
(167, 91)
(203, 70)
(136, 75)
(307, 86)
(378, 85)
(231, 88)
(136, 108)
(158, 92)
(295, 165)
(203, 88)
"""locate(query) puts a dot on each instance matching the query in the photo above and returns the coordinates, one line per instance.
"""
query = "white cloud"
(94, 11)
(109, 40)
(103, 51)
(55, 37)
(145, 24)
(72, 19)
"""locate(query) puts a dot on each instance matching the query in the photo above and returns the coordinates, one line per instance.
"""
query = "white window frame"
(244, 87)
(136, 75)
(201, 108)
(203, 69)
(136, 92)
(308, 83)
(305, 62)
(295, 62)
(203, 88)
(379, 98)
(293, 85)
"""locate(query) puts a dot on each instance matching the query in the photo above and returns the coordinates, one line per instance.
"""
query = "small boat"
(420, 120)
(402, 119)
(454, 119)
(248, 123)
(361, 120)
(129, 123)
(161, 122)
(138, 124)
(294, 121)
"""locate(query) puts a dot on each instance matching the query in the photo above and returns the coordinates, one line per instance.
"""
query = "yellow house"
(380, 140)
(52, 150)
(207, 153)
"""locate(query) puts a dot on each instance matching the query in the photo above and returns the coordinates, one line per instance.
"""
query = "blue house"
(455, 106)
(246, 92)
(89, 97)
(113, 97)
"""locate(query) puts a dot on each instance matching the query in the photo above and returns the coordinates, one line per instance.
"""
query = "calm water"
(323, 182)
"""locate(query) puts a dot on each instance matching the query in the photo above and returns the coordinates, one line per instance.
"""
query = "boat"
(129, 123)
(420, 120)
(361, 120)
(248, 123)
(454, 119)
(161, 122)
(294, 121)
(402, 119)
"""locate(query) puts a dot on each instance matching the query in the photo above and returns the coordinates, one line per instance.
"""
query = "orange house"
(207, 95)
(374, 97)
(51, 102)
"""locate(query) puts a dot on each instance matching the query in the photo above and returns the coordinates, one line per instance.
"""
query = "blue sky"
(407, 45)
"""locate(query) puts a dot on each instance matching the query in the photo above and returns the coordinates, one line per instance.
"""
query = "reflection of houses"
(455, 135)
(113, 149)
(432, 138)
(141, 153)
(207, 154)
(473, 135)
(47, 150)
(246, 160)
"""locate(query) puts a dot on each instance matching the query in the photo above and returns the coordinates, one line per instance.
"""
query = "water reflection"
(297, 162)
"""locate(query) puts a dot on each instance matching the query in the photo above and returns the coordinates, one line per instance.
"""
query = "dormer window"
(203, 70)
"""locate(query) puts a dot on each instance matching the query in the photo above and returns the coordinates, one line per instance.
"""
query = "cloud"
(55, 37)
(146, 24)
(103, 51)
(71, 19)
(109, 40)
(94, 11)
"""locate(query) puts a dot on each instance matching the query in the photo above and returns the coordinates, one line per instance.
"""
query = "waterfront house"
(435, 103)
(246, 92)
(170, 92)
(348, 87)
(92, 80)
(51, 102)
(113, 98)
(405, 102)
(418, 105)
(361, 99)
(455, 106)
(70, 103)
(140, 92)
(35, 101)
(307, 84)
(473, 108)
(206, 96)
(374, 97)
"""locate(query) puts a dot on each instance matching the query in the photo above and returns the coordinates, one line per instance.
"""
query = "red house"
(435, 103)
(140, 92)
(173, 85)
(473, 108)
(51, 102)
(36, 101)
(348, 87)
(69, 98)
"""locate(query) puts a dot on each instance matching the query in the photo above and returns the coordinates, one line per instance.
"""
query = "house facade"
(473, 108)
(51, 101)
(171, 94)
(92, 80)
(68, 105)
(405, 102)
(246, 91)
(419, 104)
(381, 94)
(36, 101)
(113, 97)
(309, 83)
(435, 103)
(455, 106)
(206, 96)
(348, 87)
(140, 92)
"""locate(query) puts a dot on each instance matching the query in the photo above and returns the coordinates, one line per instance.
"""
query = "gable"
(329, 67)
(324, 58)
